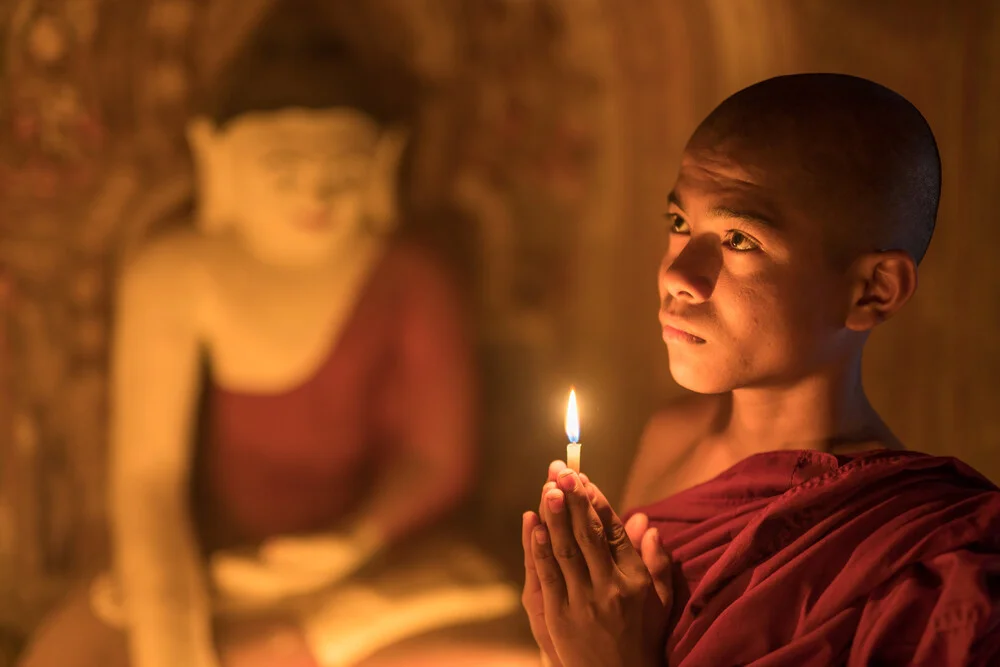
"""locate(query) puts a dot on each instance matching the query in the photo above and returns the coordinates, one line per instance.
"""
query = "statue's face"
(300, 180)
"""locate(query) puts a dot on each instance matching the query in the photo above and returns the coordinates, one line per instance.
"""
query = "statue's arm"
(154, 388)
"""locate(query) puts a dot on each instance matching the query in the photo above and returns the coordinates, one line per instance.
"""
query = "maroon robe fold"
(805, 558)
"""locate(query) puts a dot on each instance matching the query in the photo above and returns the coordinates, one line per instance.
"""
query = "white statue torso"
(267, 329)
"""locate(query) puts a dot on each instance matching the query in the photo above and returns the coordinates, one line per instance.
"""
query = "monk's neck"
(825, 411)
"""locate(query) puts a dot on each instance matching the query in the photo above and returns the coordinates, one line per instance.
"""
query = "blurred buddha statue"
(292, 394)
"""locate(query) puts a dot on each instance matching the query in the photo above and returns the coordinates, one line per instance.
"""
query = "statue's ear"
(213, 175)
(381, 206)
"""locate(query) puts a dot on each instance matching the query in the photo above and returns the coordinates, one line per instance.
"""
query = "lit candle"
(573, 433)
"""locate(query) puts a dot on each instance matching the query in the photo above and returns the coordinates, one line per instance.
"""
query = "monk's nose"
(691, 275)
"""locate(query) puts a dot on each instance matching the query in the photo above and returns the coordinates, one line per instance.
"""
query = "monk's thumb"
(655, 557)
(636, 527)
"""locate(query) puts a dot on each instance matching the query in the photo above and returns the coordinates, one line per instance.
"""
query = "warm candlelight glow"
(572, 418)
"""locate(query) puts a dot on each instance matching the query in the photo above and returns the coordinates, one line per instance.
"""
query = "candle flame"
(572, 418)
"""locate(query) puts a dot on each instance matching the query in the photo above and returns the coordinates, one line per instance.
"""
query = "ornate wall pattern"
(64, 187)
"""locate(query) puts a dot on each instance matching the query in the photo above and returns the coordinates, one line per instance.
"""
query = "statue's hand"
(330, 555)
(248, 580)
(289, 566)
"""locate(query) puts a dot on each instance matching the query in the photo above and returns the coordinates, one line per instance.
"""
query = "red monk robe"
(806, 558)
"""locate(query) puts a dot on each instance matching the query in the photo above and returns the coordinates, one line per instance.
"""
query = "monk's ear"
(881, 283)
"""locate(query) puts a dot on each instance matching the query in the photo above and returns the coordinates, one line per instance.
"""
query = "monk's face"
(749, 296)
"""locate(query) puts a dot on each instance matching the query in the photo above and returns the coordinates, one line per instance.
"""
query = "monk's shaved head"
(856, 157)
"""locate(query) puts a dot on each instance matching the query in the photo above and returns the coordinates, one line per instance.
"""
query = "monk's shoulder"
(687, 419)
(670, 441)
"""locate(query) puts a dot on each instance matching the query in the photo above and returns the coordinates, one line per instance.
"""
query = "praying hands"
(597, 592)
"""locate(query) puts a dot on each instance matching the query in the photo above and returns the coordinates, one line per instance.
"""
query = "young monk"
(800, 531)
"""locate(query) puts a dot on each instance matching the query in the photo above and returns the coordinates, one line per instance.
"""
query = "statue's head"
(299, 155)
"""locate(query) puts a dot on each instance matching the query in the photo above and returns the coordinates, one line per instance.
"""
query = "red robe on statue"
(804, 558)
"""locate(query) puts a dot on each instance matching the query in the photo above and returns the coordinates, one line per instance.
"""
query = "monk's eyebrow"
(743, 214)
(730, 213)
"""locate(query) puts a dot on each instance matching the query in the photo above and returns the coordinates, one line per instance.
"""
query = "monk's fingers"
(636, 527)
(531, 597)
(543, 514)
(555, 468)
(588, 486)
(528, 522)
(602, 507)
(587, 528)
(658, 562)
(549, 571)
(605, 511)
(597, 499)
(564, 545)
(625, 554)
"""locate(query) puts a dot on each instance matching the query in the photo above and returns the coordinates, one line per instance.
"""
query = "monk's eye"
(676, 224)
(740, 242)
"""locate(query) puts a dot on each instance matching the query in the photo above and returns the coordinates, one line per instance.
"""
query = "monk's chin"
(699, 380)
(700, 386)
